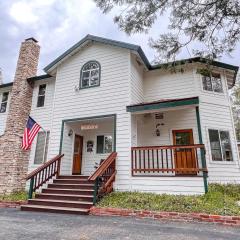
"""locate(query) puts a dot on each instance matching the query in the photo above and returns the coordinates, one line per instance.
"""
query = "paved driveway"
(15, 224)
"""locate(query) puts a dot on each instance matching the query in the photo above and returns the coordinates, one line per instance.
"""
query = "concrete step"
(67, 197)
(53, 209)
(68, 191)
(72, 181)
(72, 177)
(61, 203)
(71, 186)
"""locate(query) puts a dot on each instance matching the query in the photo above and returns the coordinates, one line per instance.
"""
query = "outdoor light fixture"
(158, 130)
(70, 132)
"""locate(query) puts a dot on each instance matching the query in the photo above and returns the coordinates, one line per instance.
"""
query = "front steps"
(67, 194)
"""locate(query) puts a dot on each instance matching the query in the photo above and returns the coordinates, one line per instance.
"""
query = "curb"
(11, 204)
(187, 217)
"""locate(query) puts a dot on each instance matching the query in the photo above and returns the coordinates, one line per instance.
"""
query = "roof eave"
(6, 85)
(50, 67)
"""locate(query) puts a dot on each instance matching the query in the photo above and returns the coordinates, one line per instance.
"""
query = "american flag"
(30, 131)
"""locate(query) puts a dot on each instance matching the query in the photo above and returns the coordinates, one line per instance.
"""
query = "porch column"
(203, 158)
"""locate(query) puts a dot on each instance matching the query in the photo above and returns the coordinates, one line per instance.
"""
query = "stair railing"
(104, 176)
(44, 173)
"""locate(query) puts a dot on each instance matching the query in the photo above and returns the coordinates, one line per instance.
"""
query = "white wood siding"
(122, 83)
(111, 97)
(215, 113)
(173, 120)
(159, 84)
(169, 185)
(136, 81)
(3, 116)
(42, 115)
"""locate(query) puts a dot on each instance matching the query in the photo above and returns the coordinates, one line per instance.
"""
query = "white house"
(171, 127)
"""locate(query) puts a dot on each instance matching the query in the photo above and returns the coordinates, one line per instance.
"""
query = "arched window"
(90, 74)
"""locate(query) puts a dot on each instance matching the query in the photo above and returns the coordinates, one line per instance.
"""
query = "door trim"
(73, 154)
(186, 156)
(182, 130)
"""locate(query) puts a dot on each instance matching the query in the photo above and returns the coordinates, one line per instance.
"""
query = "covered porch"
(86, 142)
(167, 140)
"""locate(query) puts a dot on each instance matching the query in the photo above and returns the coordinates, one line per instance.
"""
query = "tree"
(235, 97)
(214, 23)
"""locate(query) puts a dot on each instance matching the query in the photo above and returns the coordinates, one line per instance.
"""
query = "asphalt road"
(15, 224)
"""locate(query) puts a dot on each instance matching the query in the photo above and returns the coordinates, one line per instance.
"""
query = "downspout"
(203, 158)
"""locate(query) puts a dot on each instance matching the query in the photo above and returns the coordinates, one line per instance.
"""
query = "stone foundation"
(13, 160)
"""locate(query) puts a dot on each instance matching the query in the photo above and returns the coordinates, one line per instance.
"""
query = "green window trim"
(101, 144)
(89, 72)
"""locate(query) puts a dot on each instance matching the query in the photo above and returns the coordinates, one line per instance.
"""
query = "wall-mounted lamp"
(158, 130)
(70, 132)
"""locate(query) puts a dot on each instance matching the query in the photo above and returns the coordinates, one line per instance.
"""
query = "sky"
(58, 24)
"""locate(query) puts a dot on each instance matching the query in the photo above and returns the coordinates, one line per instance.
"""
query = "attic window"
(212, 83)
(90, 75)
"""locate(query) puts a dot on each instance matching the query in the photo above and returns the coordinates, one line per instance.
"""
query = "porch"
(86, 142)
(167, 140)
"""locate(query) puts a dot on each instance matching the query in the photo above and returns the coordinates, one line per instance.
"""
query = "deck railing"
(104, 177)
(167, 160)
(42, 174)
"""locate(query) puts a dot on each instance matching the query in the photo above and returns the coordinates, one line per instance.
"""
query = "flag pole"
(45, 141)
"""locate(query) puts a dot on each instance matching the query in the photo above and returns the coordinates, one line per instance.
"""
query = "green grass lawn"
(221, 199)
(17, 196)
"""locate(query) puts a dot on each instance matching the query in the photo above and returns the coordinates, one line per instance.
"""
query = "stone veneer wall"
(14, 161)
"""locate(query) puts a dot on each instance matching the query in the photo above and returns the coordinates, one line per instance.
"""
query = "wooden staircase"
(74, 194)
(67, 194)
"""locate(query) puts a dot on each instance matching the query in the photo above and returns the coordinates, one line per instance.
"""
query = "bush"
(221, 199)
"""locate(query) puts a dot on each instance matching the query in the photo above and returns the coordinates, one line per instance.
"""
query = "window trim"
(80, 82)
(45, 153)
(104, 135)
(4, 101)
(210, 149)
(212, 92)
(41, 96)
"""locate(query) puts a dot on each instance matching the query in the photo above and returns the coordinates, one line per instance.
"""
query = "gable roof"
(90, 38)
(139, 51)
(132, 47)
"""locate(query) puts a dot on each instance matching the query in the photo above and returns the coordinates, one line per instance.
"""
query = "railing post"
(58, 167)
(30, 192)
(203, 157)
(204, 166)
(95, 193)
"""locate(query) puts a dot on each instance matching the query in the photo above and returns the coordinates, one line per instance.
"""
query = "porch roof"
(163, 103)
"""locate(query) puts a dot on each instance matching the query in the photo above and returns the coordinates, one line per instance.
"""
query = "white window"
(104, 144)
(212, 83)
(90, 75)
(41, 95)
(220, 145)
(41, 147)
(4, 102)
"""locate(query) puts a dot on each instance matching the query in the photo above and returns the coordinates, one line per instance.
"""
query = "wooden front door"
(77, 155)
(184, 158)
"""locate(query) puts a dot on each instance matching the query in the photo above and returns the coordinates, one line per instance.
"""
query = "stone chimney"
(13, 160)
